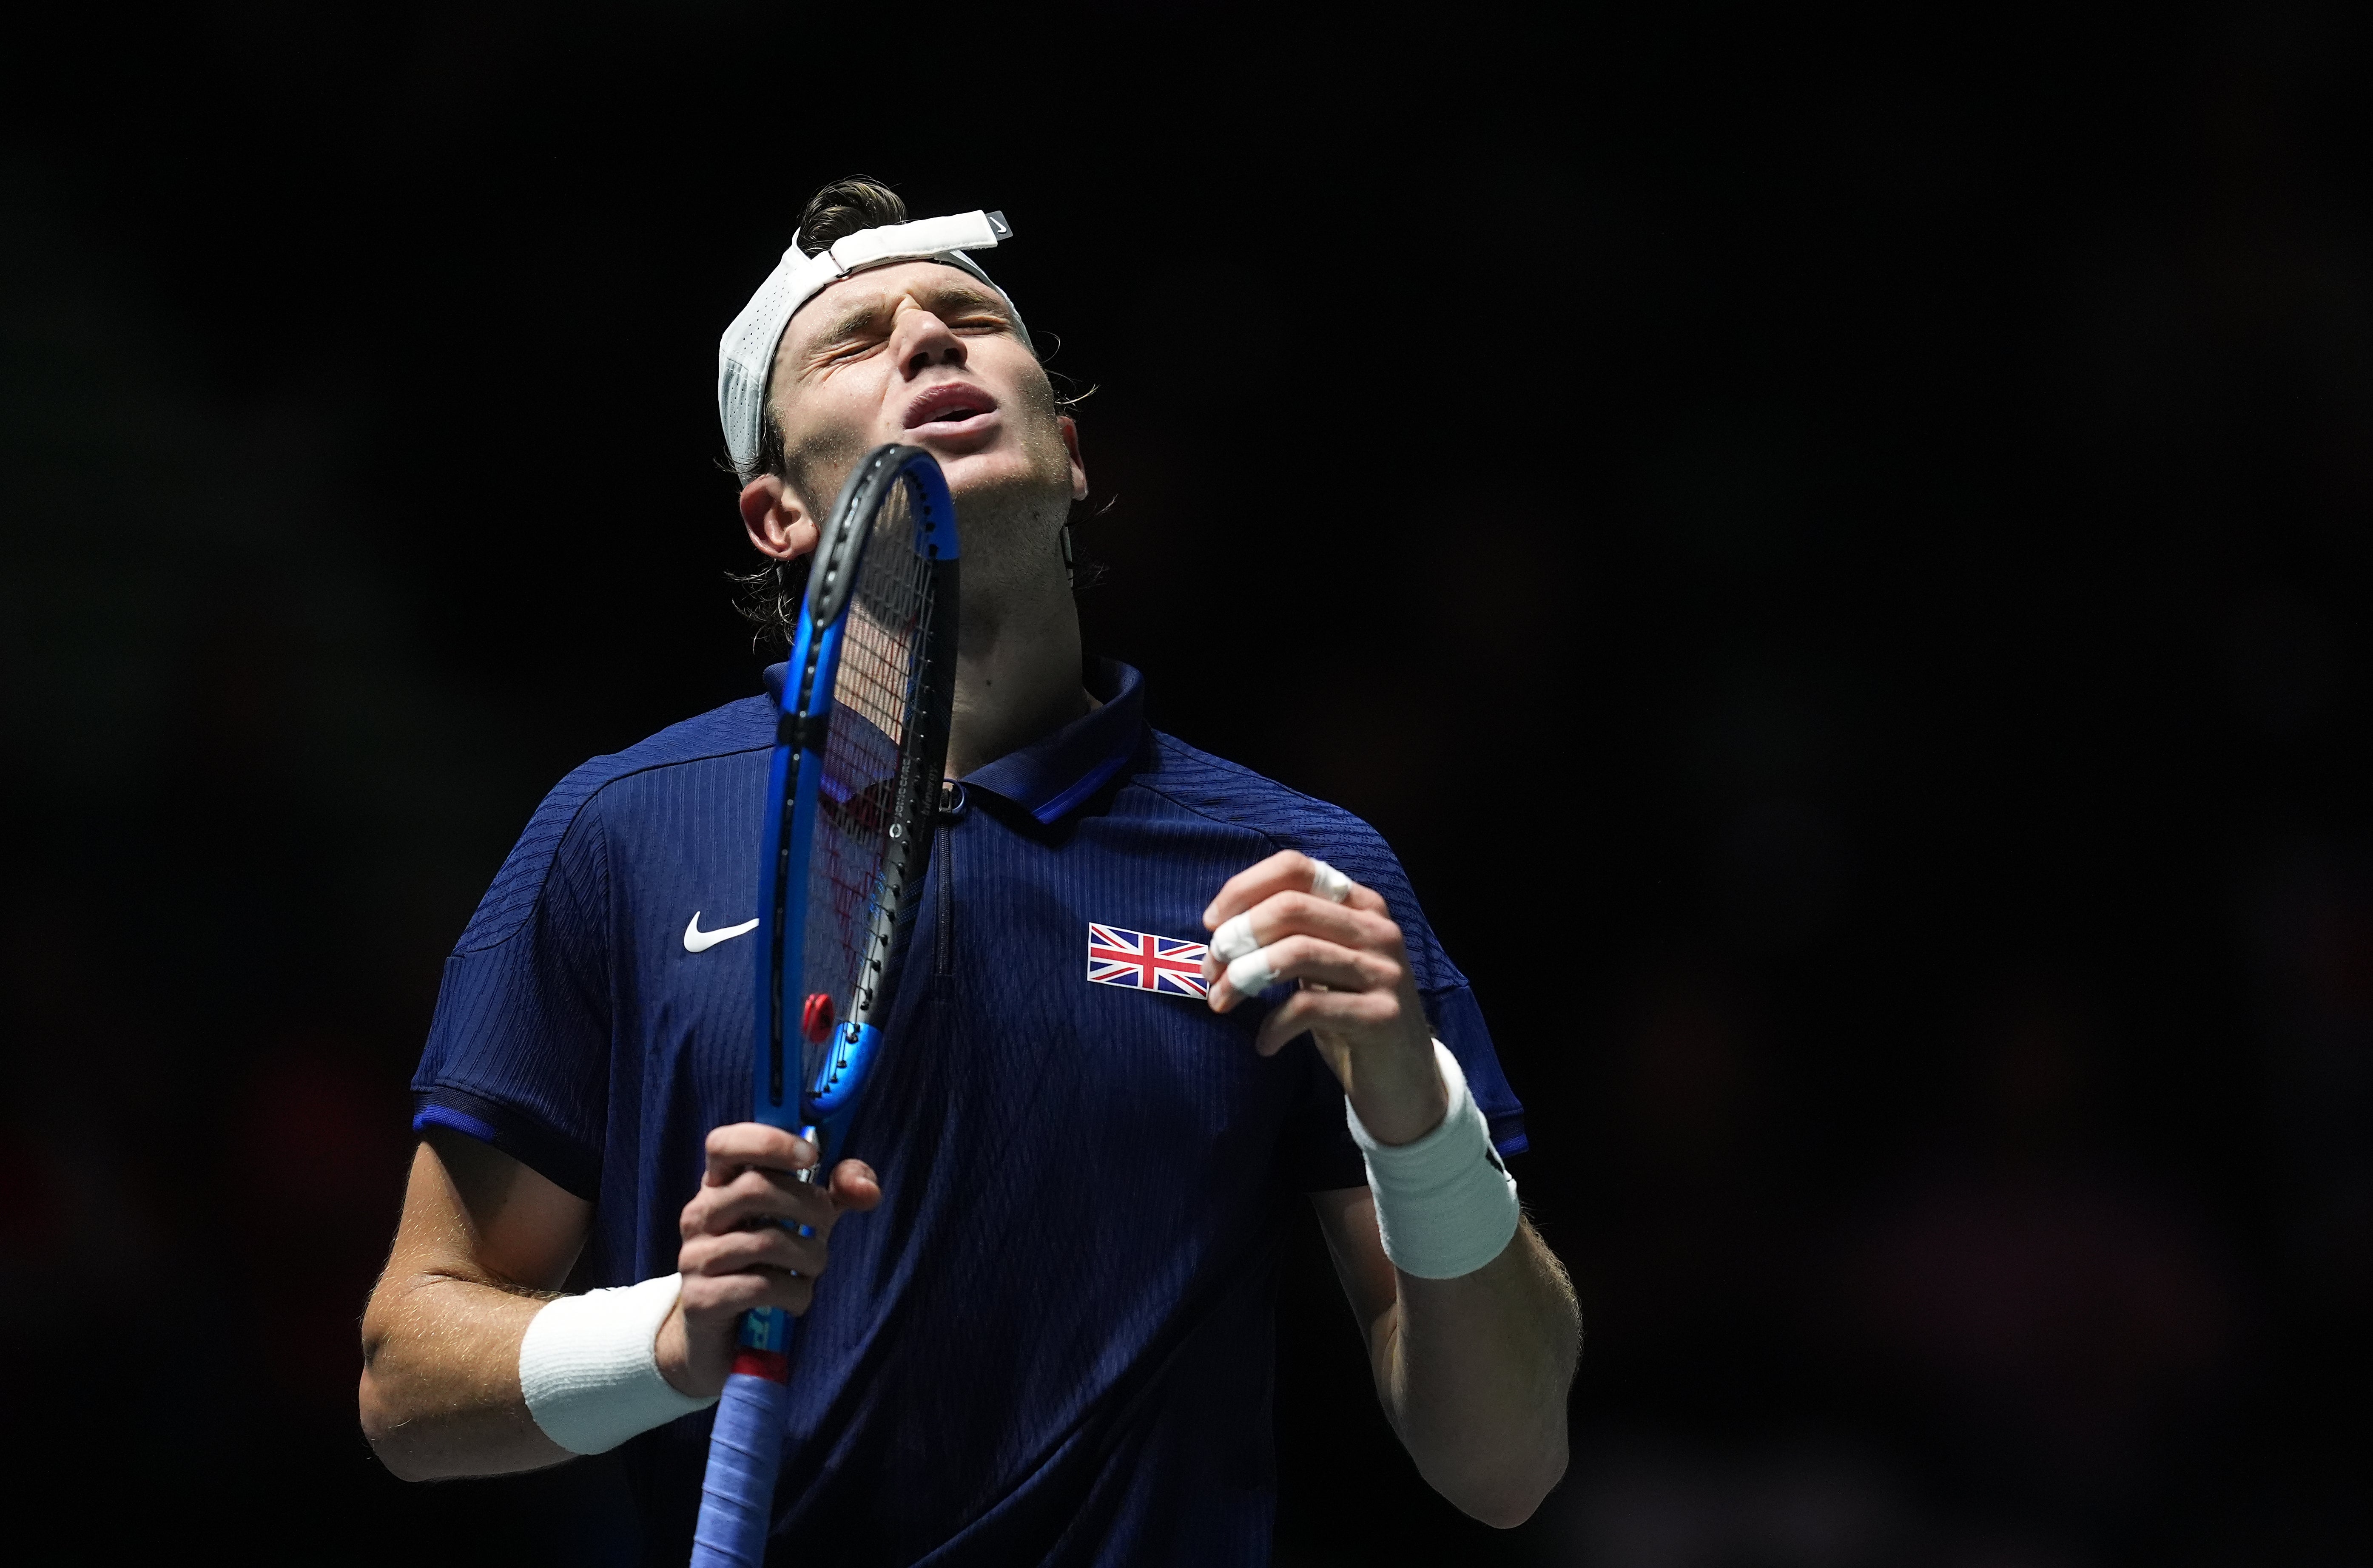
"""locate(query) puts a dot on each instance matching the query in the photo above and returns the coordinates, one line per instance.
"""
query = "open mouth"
(948, 404)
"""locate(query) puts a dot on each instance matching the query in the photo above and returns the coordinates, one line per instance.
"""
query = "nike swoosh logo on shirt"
(696, 940)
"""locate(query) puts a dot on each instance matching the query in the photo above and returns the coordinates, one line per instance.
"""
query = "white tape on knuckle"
(1444, 1204)
(1235, 939)
(588, 1370)
(1251, 974)
(1328, 882)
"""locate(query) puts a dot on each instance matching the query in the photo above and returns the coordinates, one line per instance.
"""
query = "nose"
(923, 341)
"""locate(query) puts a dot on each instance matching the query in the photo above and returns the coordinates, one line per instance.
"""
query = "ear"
(1071, 429)
(778, 524)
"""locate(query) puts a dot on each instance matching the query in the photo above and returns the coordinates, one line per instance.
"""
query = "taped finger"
(1327, 883)
(1235, 939)
(1250, 973)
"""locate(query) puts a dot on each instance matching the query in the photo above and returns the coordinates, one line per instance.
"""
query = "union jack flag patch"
(1142, 962)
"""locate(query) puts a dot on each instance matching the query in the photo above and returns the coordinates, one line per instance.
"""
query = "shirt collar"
(1049, 778)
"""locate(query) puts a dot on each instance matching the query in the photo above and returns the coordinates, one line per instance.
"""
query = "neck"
(1017, 664)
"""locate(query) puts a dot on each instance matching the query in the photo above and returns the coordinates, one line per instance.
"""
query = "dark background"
(1836, 552)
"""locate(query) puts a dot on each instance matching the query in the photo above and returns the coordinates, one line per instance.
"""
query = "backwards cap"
(745, 354)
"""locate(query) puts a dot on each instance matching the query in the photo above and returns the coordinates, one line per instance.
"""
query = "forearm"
(440, 1387)
(1473, 1373)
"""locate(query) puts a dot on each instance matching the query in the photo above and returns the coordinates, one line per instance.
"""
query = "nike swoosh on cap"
(696, 940)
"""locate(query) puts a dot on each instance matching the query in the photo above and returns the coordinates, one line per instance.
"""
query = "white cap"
(745, 354)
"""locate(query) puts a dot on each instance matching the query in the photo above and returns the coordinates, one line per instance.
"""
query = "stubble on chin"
(1008, 518)
(1005, 521)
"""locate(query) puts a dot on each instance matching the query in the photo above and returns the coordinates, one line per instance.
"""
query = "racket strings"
(852, 906)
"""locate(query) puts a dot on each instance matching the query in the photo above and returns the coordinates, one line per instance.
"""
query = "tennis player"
(1046, 1331)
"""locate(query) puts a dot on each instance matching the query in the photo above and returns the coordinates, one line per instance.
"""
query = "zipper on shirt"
(944, 850)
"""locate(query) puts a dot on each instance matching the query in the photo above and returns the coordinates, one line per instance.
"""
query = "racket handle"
(745, 1451)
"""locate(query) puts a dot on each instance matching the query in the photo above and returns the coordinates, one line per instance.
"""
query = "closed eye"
(858, 345)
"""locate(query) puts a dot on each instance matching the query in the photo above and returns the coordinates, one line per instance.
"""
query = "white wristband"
(590, 1371)
(1446, 1205)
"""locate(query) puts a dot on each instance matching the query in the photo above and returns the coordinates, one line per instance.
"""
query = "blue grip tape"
(737, 1497)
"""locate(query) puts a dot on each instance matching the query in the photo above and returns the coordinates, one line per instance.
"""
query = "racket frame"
(815, 1099)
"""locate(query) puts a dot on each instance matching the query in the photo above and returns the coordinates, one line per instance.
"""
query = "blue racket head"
(853, 789)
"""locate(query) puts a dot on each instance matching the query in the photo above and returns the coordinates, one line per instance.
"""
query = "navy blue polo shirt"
(1053, 1341)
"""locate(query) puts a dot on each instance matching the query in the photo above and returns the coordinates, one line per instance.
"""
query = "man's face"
(924, 354)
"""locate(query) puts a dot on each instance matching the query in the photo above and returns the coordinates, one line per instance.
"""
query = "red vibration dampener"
(816, 1018)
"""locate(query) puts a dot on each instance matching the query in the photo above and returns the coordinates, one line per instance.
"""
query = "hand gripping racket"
(851, 797)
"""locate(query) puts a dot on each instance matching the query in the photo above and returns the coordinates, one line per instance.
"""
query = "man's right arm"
(483, 1246)
(483, 1243)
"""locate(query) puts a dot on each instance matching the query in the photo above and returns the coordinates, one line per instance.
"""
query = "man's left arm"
(1472, 1369)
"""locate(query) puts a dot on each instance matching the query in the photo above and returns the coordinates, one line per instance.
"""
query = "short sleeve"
(1458, 1024)
(1324, 1156)
(519, 1052)
(1359, 851)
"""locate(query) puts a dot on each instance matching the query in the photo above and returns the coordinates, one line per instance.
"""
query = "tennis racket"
(850, 801)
